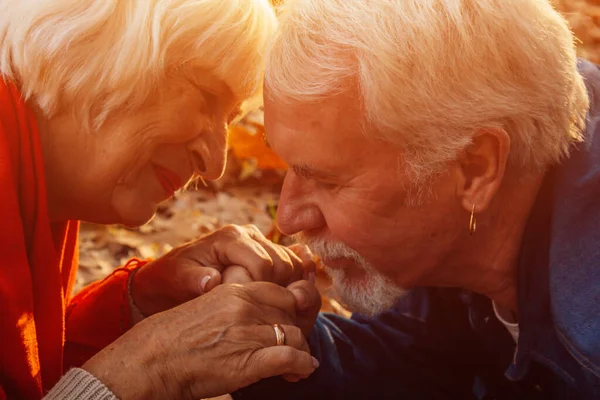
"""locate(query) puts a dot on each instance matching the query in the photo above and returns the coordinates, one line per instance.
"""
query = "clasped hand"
(212, 304)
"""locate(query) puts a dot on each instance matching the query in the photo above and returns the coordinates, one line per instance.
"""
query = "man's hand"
(308, 304)
(240, 274)
(308, 299)
(197, 267)
(209, 346)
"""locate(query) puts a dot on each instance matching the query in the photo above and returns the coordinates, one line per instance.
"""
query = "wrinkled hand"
(240, 274)
(195, 268)
(308, 299)
(212, 345)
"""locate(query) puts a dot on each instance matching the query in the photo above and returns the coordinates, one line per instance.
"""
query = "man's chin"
(366, 293)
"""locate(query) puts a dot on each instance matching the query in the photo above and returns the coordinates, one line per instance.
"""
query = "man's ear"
(481, 168)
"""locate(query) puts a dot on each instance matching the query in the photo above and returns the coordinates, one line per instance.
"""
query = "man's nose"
(297, 212)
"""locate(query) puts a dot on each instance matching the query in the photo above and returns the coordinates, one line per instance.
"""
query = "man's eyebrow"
(308, 172)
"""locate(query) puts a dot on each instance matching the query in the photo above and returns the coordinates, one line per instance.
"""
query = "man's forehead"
(319, 140)
(331, 114)
(303, 115)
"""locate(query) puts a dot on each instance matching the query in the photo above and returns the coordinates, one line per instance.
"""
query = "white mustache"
(330, 249)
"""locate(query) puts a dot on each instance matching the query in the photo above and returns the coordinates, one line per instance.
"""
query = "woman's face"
(120, 173)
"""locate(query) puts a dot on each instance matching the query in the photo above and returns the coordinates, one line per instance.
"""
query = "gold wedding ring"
(279, 334)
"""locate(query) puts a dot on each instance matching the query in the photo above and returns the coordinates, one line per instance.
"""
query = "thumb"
(195, 280)
(281, 360)
(307, 296)
(308, 304)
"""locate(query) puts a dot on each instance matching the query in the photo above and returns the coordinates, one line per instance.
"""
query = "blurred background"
(248, 192)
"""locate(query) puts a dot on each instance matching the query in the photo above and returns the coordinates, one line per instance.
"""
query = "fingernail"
(300, 296)
(315, 363)
(203, 283)
(312, 277)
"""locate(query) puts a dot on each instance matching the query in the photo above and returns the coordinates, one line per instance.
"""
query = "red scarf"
(38, 260)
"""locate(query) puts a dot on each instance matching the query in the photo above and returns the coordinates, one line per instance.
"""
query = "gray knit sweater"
(78, 384)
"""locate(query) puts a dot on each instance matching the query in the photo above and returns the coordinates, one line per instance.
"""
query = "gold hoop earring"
(472, 222)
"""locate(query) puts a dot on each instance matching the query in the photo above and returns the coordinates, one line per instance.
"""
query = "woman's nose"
(296, 212)
(208, 152)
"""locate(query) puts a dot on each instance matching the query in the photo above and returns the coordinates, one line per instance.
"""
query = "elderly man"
(444, 158)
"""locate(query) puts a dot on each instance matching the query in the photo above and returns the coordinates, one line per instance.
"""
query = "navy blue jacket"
(440, 343)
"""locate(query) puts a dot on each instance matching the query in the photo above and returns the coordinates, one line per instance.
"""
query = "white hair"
(101, 56)
(373, 295)
(429, 73)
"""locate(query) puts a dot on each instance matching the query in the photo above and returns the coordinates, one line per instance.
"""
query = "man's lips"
(168, 179)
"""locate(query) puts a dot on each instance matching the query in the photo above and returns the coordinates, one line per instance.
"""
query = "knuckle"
(232, 292)
(242, 307)
(232, 230)
(251, 228)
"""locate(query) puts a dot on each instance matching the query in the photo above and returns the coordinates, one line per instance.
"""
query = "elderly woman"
(106, 109)
(447, 154)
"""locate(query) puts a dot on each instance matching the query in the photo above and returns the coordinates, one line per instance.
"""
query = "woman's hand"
(195, 268)
(212, 345)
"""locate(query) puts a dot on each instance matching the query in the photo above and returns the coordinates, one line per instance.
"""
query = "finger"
(193, 281)
(283, 266)
(308, 304)
(294, 337)
(298, 269)
(281, 360)
(249, 254)
(273, 295)
(236, 274)
(309, 264)
(291, 377)
(231, 245)
(306, 295)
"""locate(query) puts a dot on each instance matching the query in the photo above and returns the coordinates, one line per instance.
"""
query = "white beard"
(373, 295)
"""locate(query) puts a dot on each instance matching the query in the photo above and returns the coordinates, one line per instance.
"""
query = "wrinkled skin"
(190, 347)
(347, 186)
(109, 176)
(215, 344)
(232, 254)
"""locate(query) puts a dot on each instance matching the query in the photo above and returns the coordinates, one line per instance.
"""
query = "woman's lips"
(168, 179)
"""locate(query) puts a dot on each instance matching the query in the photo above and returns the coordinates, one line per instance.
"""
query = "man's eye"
(327, 185)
